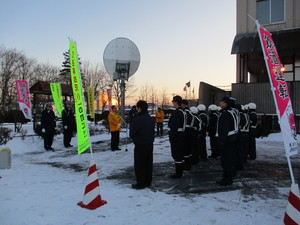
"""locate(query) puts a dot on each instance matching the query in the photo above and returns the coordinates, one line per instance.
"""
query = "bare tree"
(45, 72)
(130, 89)
(10, 62)
(163, 100)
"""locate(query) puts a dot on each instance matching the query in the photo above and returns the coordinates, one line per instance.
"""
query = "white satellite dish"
(121, 58)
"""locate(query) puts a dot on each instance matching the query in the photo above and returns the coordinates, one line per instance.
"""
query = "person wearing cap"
(159, 119)
(177, 124)
(115, 122)
(188, 136)
(212, 130)
(69, 123)
(142, 131)
(252, 130)
(48, 125)
(227, 139)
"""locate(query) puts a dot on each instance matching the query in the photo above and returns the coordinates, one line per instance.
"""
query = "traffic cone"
(292, 213)
(92, 198)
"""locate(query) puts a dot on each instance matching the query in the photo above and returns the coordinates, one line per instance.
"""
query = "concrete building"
(282, 19)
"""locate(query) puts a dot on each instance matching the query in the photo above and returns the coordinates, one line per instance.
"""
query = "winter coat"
(142, 129)
(177, 123)
(160, 115)
(48, 121)
(68, 119)
(115, 121)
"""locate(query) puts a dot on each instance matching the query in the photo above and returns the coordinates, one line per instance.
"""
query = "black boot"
(179, 170)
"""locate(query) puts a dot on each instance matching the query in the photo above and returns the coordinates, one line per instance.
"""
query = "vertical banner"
(280, 91)
(24, 98)
(57, 97)
(91, 96)
(81, 121)
(109, 98)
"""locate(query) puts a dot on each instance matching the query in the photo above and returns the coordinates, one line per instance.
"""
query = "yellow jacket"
(160, 116)
(114, 121)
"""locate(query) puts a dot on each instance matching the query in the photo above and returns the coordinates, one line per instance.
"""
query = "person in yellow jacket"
(115, 122)
(159, 118)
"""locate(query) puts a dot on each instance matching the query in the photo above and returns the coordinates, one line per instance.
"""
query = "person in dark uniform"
(142, 131)
(176, 124)
(69, 123)
(212, 130)
(196, 127)
(132, 113)
(188, 136)
(48, 125)
(252, 129)
(202, 136)
(244, 134)
(227, 140)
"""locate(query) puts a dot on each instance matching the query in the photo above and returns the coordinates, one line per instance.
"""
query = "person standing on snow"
(177, 124)
(252, 130)
(202, 136)
(159, 118)
(48, 125)
(142, 131)
(212, 130)
(69, 123)
(227, 140)
(115, 122)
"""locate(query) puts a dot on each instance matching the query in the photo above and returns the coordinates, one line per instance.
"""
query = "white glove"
(66, 127)
(43, 130)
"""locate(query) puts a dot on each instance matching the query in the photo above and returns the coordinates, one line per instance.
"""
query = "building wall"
(247, 25)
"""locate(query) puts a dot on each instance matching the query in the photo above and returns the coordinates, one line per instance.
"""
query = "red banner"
(280, 91)
(24, 98)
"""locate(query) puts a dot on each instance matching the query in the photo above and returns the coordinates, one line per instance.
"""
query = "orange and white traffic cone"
(92, 198)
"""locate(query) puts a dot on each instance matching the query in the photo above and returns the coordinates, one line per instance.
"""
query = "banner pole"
(291, 169)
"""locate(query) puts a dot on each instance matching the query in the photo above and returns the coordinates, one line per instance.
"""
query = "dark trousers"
(228, 152)
(214, 146)
(252, 144)
(67, 137)
(177, 148)
(115, 139)
(159, 127)
(143, 164)
(48, 140)
(244, 144)
(202, 145)
(195, 147)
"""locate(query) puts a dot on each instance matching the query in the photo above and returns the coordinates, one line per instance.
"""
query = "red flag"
(184, 89)
(292, 213)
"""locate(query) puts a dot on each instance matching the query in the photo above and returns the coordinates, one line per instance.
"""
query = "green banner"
(81, 121)
(57, 97)
(91, 95)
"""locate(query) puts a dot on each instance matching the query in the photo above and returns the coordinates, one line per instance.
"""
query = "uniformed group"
(231, 130)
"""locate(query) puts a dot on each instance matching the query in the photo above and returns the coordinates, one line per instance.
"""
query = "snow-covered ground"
(33, 192)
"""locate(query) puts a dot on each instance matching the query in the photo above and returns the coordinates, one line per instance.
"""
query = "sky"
(179, 41)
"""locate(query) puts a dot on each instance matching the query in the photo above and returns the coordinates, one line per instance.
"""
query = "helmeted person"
(159, 119)
(177, 124)
(69, 123)
(227, 139)
(188, 135)
(48, 125)
(202, 136)
(196, 127)
(115, 122)
(244, 133)
(142, 130)
(212, 130)
(252, 130)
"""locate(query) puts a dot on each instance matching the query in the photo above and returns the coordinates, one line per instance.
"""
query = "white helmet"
(212, 107)
(246, 107)
(194, 109)
(201, 107)
(219, 108)
(252, 105)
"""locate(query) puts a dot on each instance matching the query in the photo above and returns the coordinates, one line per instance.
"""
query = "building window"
(270, 11)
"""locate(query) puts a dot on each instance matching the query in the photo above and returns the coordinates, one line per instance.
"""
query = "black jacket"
(212, 124)
(142, 129)
(68, 119)
(227, 124)
(176, 121)
(48, 121)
